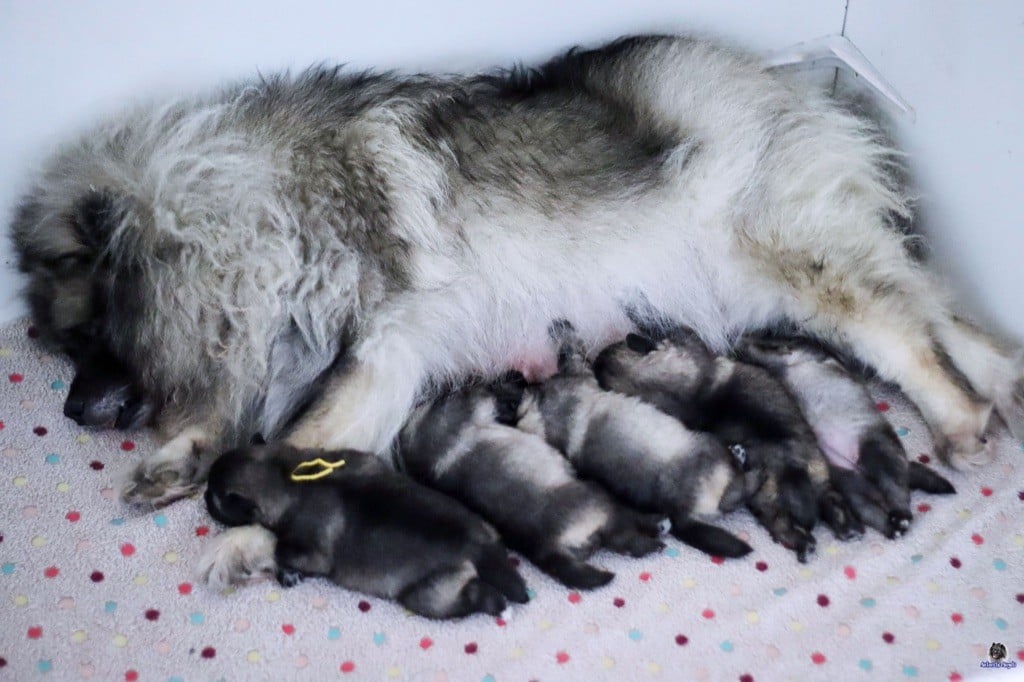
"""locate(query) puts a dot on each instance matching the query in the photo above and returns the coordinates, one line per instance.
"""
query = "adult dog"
(347, 241)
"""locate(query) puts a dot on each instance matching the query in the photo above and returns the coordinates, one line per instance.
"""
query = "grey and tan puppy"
(870, 465)
(421, 548)
(521, 485)
(750, 411)
(642, 455)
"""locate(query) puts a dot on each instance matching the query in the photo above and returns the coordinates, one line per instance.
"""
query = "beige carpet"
(92, 590)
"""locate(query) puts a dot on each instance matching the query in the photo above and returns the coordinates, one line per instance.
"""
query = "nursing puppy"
(422, 548)
(521, 485)
(642, 455)
(747, 408)
(870, 465)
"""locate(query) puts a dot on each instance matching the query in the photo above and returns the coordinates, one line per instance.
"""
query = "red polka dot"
(718, 560)
(955, 677)
(35, 632)
(823, 600)
(682, 640)
(127, 445)
(1020, 598)
(288, 629)
(746, 677)
(923, 458)
(40, 431)
(562, 657)
(645, 576)
(761, 566)
(202, 531)
(619, 602)
(954, 562)
(152, 614)
(977, 539)
(348, 666)
(574, 598)
(96, 576)
(986, 491)
(364, 606)
(426, 643)
(708, 613)
(818, 658)
(1020, 654)
(73, 516)
(470, 648)
(51, 572)
(882, 406)
(185, 588)
(1020, 495)
(1, 426)
(3, 662)
(208, 652)
(888, 637)
(131, 676)
(957, 618)
(924, 507)
(850, 572)
(500, 622)
(127, 549)
(96, 465)
(15, 378)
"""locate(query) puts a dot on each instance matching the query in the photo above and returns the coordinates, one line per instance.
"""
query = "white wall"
(62, 64)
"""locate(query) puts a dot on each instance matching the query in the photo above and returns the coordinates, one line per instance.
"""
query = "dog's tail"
(708, 538)
(921, 477)
(572, 572)
(494, 569)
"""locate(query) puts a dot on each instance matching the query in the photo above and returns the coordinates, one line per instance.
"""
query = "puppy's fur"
(521, 485)
(870, 465)
(641, 454)
(742, 405)
(422, 548)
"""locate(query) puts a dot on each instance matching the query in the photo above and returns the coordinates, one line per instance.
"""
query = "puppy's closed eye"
(231, 509)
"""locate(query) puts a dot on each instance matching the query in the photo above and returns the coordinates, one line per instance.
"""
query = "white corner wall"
(63, 64)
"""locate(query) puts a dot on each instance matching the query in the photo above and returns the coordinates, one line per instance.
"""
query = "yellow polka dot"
(4, 352)
(120, 641)
(79, 636)
(84, 438)
(753, 617)
(654, 668)
(689, 582)
(63, 487)
(20, 600)
(832, 550)
(273, 596)
(228, 591)
(38, 541)
(253, 656)
(932, 645)
(964, 514)
(892, 580)
(516, 653)
(141, 580)
(662, 608)
(394, 672)
(1018, 540)
(544, 624)
(608, 662)
(171, 557)
(932, 586)
(796, 626)
(806, 573)
(20, 481)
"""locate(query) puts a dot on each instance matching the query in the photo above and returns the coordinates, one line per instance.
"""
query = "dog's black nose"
(74, 408)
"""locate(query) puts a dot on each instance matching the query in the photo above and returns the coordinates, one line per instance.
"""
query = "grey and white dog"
(870, 465)
(521, 485)
(635, 450)
(348, 239)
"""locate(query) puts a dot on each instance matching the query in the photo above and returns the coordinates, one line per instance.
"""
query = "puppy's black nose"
(74, 408)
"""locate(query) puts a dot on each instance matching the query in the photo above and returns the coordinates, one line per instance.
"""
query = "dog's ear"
(95, 217)
(257, 439)
(639, 344)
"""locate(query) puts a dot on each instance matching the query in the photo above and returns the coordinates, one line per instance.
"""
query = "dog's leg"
(237, 556)
(175, 471)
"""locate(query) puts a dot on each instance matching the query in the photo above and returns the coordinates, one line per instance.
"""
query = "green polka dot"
(868, 602)
(53, 458)
(916, 558)
(864, 664)
(57, 385)
(45, 665)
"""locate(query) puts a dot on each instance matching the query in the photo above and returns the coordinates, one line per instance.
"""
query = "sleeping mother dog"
(347, 241)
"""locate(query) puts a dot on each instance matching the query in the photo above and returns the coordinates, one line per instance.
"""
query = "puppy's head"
(677, 364)
(778, 353)
(249, 485)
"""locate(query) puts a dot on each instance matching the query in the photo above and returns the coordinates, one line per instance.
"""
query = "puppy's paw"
(172, 473)
(237, 556)
(288, 577)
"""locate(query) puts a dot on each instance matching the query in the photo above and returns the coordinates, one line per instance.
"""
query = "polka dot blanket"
(94, 590)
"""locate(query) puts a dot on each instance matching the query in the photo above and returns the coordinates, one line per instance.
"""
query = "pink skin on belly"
(536, 368)
(841, 447)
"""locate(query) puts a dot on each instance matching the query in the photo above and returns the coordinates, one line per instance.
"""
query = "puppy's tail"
(709, 539)
(921, 477)
(495, 569)
(572, 572)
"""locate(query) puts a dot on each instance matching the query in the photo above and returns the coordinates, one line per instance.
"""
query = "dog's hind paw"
(173, 472)
(237, 556)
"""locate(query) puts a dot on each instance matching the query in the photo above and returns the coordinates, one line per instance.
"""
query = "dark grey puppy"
(870, 464)
(521, 485)
(421, 548)
(642, 455)
(747, 409)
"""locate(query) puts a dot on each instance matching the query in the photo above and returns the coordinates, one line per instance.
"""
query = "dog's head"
(250, 485)
(676, 365)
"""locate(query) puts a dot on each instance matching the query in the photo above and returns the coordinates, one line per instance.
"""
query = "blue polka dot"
(57, 385)
(636, 635)
(117, 521)
(999, 565)
(672, 552)
(7, 569)
(868, 602)
(902, 431)
(1001, 624)
(379, 638)
(864, 664)
(916, 558)
(53, 458)
(910, 671)
(333, 633)
(160, 520)
(45, 665)
(726, 646)
(196, 618)
(530, 593)
(175, 679)
(110, 606)
(487, 678)
(779, 591)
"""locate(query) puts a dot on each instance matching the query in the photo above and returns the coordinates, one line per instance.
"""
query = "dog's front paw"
(173, 472)
(237, 556)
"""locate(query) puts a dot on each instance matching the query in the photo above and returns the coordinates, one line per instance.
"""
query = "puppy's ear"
(639, 344)
(257, 439)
